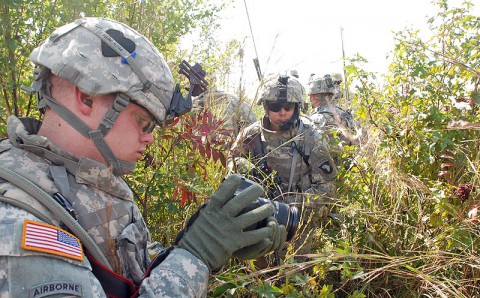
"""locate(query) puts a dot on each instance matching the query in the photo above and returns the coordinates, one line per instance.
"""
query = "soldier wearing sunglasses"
(285, 149)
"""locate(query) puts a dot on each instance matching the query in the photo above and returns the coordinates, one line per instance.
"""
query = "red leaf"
(443, 173)
(446, 165)
(175, 121)
(223, 159)
(184, 198)
(208, 150)
(202, 150)
(175, 193)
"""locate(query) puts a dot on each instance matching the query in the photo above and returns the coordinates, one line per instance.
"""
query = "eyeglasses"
(276, 106)
(144, 120)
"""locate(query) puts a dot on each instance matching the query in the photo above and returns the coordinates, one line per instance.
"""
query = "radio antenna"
(255, 60)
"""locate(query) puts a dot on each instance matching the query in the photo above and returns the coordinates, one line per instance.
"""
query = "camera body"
(284, 214)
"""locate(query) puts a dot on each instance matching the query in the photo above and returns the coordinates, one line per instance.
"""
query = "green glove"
(218, 229)
(276, 242)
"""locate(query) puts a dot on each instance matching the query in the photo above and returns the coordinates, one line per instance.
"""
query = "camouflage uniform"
(302, 148)
(104, 207)
(236, 113)
(38, 255)
(328, 116)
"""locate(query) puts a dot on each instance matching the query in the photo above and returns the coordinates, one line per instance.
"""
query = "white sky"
(305, 34)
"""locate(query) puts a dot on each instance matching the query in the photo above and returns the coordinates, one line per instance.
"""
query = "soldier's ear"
(83, 102)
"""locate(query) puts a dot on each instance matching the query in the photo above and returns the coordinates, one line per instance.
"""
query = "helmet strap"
(97, 136)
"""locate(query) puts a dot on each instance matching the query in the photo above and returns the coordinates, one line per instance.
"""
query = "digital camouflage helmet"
(320, 85)
(102, 56)
(278, 88)
(282, 89)
(337, 78)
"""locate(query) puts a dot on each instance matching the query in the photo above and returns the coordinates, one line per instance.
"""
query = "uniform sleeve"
(181, 274)
(323, 168)
(25, 273)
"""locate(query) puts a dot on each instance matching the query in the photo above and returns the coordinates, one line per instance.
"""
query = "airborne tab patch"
(57, 288)
(50, 239)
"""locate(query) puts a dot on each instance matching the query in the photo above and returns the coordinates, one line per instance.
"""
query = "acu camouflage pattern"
(236, 113)
(330, 117)
(105, 208)
(74, 53)
(270, 90)
(313, 188)
(320, 85)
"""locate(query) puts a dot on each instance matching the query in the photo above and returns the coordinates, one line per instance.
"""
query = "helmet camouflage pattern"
(337, 78)
(321, 85)
(294, 73)
(102, 56)
(282, 89)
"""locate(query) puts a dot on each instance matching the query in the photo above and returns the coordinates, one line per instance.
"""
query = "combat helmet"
(282, 89)
(102, 56)
(321, 85)
(279, 88)
(336, 78)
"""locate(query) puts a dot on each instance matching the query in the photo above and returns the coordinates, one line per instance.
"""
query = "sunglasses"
(144, 121)
(276, 106)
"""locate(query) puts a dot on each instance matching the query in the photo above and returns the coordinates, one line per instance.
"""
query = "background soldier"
(69, 225)
(226, 106)
(337, 81)
(327, 115)
(287, 146)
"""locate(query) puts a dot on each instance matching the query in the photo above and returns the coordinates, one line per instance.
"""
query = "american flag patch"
(50, 239)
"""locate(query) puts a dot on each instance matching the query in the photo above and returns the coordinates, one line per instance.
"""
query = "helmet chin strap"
(121, 101)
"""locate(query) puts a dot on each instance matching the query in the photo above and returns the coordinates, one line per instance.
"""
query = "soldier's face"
(131, 134)
(282, 116)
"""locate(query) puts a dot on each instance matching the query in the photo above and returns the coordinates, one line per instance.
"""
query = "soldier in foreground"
(286, 153)
(69, 224)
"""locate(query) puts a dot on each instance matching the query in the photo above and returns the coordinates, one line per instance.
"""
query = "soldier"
(288, 146)
(69, 225)
(327, 115)
(337, 81)
(294, 73)
(236, 113)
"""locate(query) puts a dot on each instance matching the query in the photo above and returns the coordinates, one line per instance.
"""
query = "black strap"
(113, 284)
(158, 259)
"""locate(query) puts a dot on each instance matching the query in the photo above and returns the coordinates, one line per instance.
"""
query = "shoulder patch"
(46, 238)
(61, 288)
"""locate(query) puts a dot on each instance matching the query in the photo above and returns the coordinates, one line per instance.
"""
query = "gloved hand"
(266, 245)
(217, 232)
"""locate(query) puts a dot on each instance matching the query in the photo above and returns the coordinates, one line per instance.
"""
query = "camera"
(284, 214)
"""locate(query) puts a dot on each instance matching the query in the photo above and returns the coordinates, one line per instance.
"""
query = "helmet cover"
(278, 88)
(78, 53)
(320, 85)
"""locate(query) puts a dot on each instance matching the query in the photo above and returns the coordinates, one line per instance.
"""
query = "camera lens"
(284, 214)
